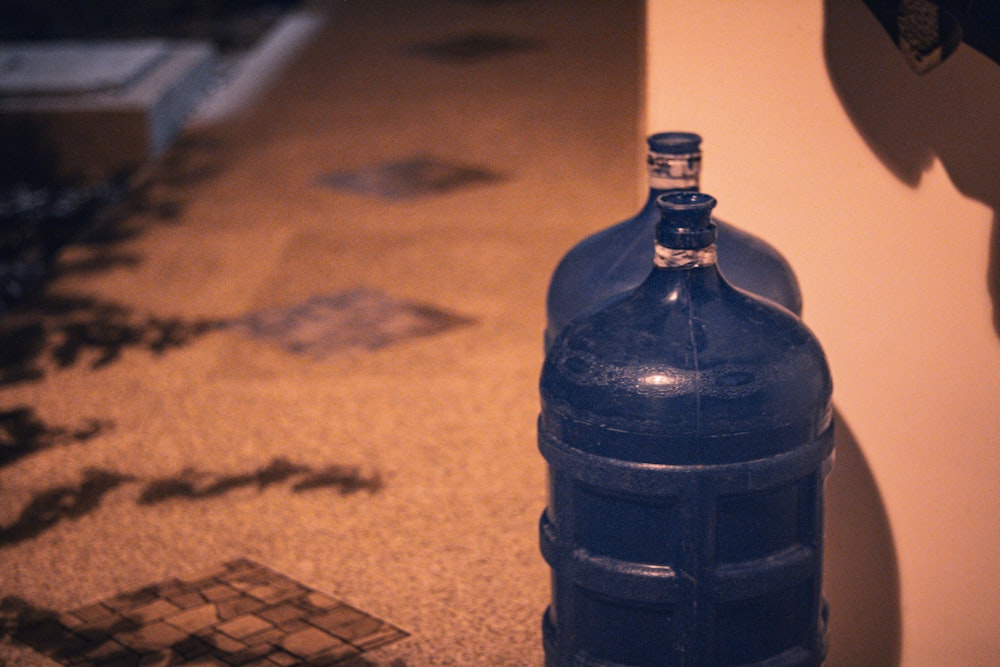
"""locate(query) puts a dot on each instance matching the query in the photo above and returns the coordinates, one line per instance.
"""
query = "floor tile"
(355, 319)
(272, 620)
(244, 626)
(474, 47)
(153, 611)
(195, 618)
(409, 177)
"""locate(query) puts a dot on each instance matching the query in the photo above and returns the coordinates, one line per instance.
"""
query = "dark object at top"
(228, 24)
(928, 31)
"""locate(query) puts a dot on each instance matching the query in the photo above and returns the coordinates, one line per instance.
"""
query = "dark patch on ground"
(474, 47)
(62, 502)
(410, 177)
(23, 432)
(192, 484)
(63, 331)
(49, 507)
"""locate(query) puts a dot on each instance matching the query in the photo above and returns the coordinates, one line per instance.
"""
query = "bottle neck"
(685, 233)
(683, 258)
(673, 171)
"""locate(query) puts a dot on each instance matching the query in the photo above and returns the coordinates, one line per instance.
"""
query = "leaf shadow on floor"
(23, 432)
(192, 484)
(58, 503)
(70, 502)
(43, 216)
(59, 332)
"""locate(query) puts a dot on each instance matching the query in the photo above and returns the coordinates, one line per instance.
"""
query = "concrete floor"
(318, 347)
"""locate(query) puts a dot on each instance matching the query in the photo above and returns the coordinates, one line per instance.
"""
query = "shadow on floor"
(41, 216)
(58, 332)
(474, 47)
(191, 484)
(23, 432)
(69, 502)
(50, 507)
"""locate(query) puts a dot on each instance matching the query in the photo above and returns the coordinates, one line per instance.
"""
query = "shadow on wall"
(861, 573)
(951, 113)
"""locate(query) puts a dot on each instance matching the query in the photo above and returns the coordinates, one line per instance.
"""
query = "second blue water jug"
(616, 259)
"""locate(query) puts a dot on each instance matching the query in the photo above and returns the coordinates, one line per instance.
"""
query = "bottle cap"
(674, 143)
(685, 220)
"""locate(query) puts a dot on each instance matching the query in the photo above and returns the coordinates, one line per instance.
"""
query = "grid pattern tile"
(241, 614)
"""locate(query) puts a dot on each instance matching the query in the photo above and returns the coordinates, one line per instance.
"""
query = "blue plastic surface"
(617, 258)
(687, 427)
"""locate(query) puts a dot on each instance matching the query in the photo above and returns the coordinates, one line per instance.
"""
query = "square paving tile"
(409, 177)
(244, 626)
(285, 623)
(355, 319)
(474, 47)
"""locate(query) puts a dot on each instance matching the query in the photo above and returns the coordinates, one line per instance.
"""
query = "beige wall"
(881, 187)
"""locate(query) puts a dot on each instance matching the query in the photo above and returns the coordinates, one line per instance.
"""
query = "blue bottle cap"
(685, 220)
(674, 143)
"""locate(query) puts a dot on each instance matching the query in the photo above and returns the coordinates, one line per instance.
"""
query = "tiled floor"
(240, 614)
(311, 337)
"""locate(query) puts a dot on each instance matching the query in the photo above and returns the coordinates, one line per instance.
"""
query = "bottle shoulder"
(607, 244)
(647, 319)
(670, 357)
(617, 258)
(600, 266)
(753, 264)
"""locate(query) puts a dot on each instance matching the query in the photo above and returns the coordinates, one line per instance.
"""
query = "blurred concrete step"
(84, 111)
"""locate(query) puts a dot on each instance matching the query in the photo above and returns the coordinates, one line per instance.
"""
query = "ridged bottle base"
(796, 657)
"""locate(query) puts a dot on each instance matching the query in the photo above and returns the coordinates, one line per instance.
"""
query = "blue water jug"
(687, 429)
(617, 258)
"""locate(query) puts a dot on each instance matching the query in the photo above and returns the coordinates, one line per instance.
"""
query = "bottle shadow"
(950, 113)
(861, 572)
